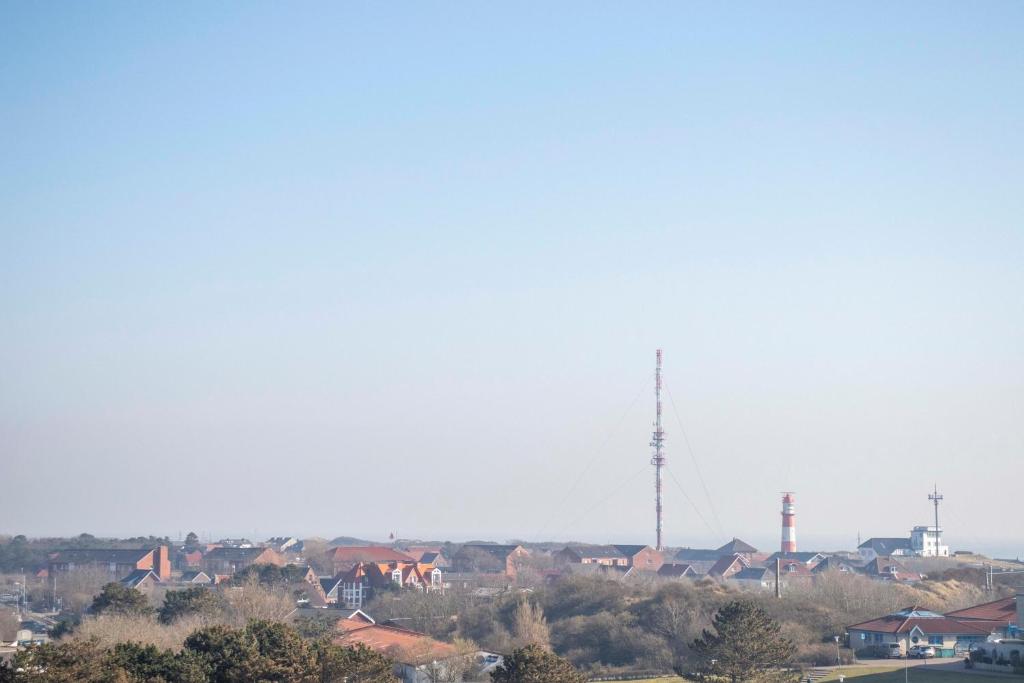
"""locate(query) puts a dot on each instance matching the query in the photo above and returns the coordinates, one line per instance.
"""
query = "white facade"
(926, 541)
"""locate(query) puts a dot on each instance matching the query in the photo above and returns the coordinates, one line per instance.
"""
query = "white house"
(926, 541)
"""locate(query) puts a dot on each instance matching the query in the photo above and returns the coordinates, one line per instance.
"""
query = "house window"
(935, 640)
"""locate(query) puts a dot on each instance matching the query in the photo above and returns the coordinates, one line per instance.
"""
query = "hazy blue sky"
(354, 268)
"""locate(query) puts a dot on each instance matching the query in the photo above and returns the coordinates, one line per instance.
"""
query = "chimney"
(162, 563)
(788, 522)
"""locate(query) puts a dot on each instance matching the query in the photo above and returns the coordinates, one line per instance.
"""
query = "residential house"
(727, 566)
(142, 580)
(331, 587)
(888, 569)
(227, 561)
(284, 544)
(754, 578)
(836, 564)
(117, 563)
(884, 547)
(344, 558)
(418, 657)
(738, 547)
(677, 571)
(703, 559)
(356, 587)
(915, 626)
(428, 555)
(489, 558)
(808, 559)
(196, 577)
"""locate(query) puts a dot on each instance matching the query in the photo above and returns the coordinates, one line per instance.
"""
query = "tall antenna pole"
(658, 443)
(936, 497)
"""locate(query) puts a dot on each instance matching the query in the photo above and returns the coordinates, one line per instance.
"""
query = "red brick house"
(632, 556)
(489, 558)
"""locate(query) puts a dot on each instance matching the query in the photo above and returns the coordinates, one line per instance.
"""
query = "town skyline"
(264, 281)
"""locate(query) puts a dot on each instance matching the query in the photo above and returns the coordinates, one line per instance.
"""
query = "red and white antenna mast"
(658, 443)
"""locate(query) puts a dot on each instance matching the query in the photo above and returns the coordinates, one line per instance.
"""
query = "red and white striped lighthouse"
(788, 522)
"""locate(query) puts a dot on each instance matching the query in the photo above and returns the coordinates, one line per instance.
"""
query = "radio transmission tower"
(658, 443)
(935, 498)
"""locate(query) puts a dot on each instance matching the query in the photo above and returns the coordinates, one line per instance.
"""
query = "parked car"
(894, 651)
(921, 652)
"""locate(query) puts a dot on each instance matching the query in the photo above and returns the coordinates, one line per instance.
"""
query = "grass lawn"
(884, 674)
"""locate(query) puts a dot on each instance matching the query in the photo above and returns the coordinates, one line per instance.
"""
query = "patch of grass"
(915, 674)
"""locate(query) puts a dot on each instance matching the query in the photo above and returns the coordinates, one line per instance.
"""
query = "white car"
(921, 652)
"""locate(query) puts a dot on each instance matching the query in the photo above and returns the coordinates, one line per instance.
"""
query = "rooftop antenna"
(658, 443)
(935, 498)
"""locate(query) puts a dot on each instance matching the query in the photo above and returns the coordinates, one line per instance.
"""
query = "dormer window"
(396, 576)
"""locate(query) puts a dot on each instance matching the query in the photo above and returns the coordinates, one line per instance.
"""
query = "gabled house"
(676, 571)
(887, 569)
(607, 555)
(354, 588)
(141, 580)
(837, 564)
(738, 547)
(884, 547)
(754, 577)
(808, 559)
(727, 566)
(488, 558)
(428, 554)
(331, 587)
(196, 577)
(915, 626)
(642, 557)
(231, 560)
(117, 563)
(413, 653)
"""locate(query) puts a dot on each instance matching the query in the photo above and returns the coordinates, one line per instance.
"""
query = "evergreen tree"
(195, 600)
(746, 645)
(116, 598)
(534, 664)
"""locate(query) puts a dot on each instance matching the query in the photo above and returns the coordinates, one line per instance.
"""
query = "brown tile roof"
(408, 647)
(1003, 610)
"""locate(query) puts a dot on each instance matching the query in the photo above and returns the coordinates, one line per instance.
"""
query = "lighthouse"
(788, 522)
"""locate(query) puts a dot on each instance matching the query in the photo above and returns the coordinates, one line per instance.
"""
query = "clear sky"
(353, 268)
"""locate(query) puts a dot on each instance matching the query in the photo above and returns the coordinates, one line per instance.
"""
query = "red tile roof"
(928, 622)
(1003, 610)
(408, 647)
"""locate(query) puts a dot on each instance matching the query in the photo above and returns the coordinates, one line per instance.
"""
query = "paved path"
(948, 664)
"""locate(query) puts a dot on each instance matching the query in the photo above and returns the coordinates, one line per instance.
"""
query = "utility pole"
(935, 498)
(778, 577)
(658, 443)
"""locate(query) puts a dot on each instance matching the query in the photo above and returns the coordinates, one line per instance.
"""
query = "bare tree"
(252, 600)
(529, 627)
